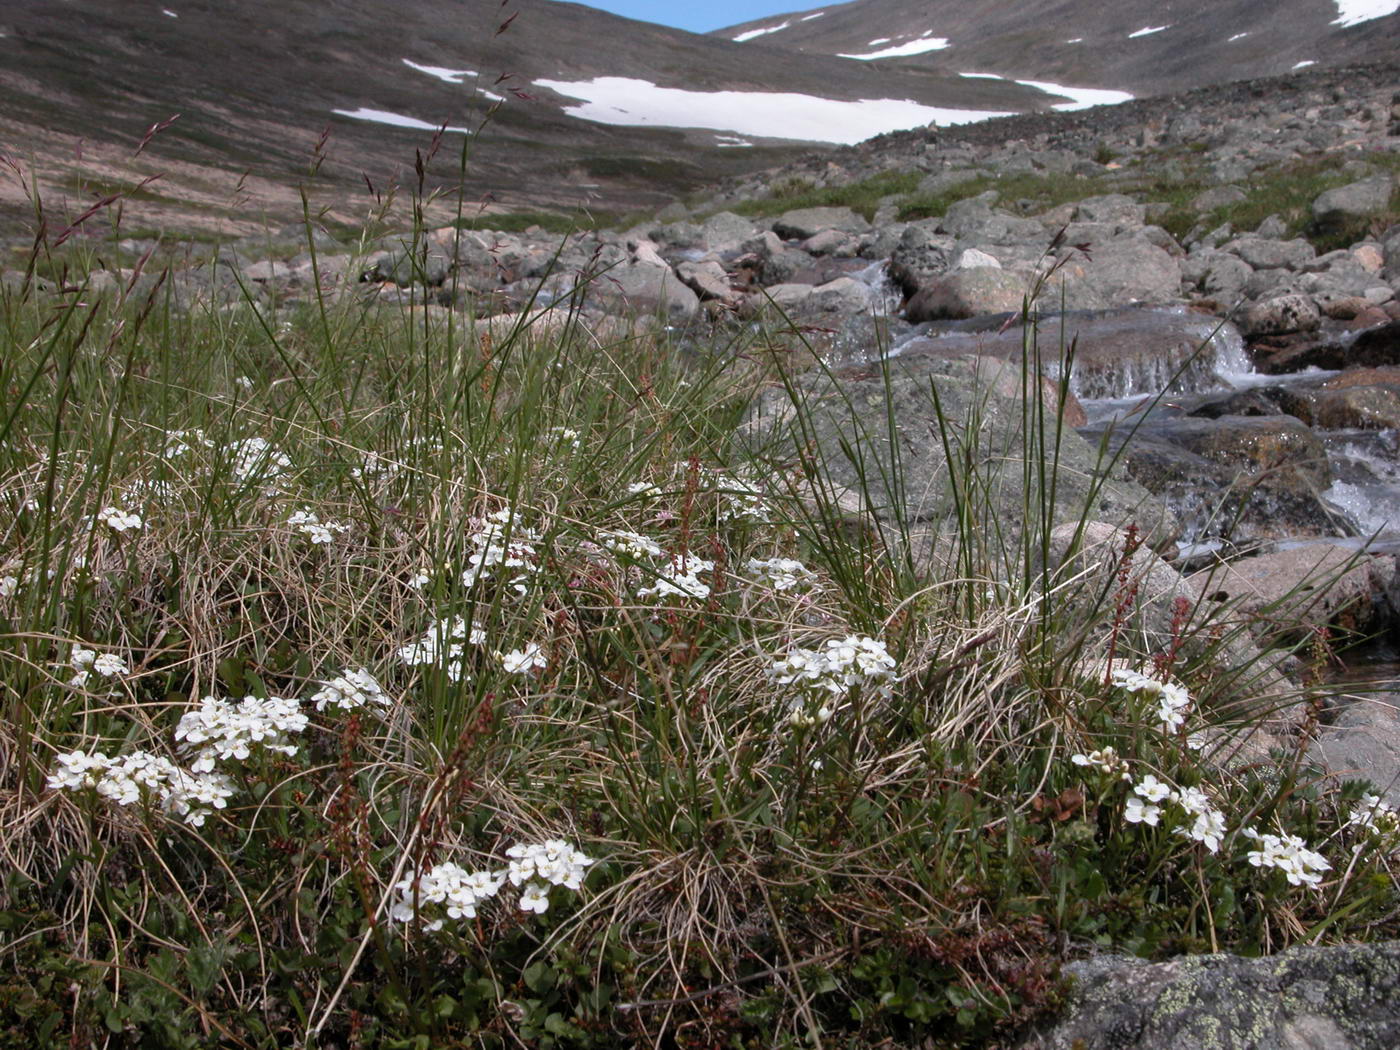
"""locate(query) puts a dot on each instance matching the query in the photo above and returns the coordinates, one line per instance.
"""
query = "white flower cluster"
(8, 586)
(449, 891)
(351, 689)
(1192, 815)
(222, 729)
(741, 499)
(502, 542)
(523, 661)
(1172, 699)
(1377, 818)
(314, 529)
(128, 779)
(375, 467)
(680, 578)
(1290, 855)
(256, 460)
(119, 520)
(178, 442)
(645, 488)
(567, 436)
(1105, 761)
(539, 866)
(632, 544)
(89, 662)
(448, 887)
(445, 645)
(827, 674)
(782, 574)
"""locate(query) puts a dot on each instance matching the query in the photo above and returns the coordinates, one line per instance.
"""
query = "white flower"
(178, 442)
(502, 541)
(109, 665)
(1105, 761)
(1152, 789)
(524, 661)
(554, 861)
(1375, 816)
(644, 488)
(256, 460)
(78, 770)
(221, 730)
(535, 898)
(1139, 812)
(1193, 800)
(1172, 699)
(567, 435)
(681, 578)
(352, 688)
(444, 645)
(1208, 829)
(312, 527)
(839, 666)
(8, 586)
(419, 580)
(782, 574)
(119, 520)
(633, 544)
(1289, 854)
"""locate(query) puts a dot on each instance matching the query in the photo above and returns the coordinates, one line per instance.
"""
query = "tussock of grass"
(896, 858)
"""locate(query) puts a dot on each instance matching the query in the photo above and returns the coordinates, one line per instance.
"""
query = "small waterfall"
(885, 295)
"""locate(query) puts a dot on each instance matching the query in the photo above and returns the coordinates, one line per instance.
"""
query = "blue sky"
(701, 17)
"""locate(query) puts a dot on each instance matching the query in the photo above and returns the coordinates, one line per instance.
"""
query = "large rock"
(802, 223)
(920, 256)
(1267, 253)
(1115, 208)
(644, 287)
(1290, 592)
(1280, 314)
(1356, 200)
(707, 279)
(1121, 271)
(967, 293)
(839, 426)
(1363, 743)
(1338, 998)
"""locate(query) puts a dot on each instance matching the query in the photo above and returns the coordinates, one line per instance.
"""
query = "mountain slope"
(256, 82)
(1139, 46)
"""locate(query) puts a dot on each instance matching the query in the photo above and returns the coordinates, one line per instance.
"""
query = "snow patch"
(1076, 40)
(168, 13)
(1354, 12)
(1304, 64)
(447, 76)
(1147, 31)
(1080, 98)
(731, 142)
(760, 32)
(877, 41)
(912, 47)
(770, 114)
(808, 18)
(383, 116)
(1237, 36)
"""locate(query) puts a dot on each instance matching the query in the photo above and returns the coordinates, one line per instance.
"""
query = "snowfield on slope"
(768, 114)
(1354, 12)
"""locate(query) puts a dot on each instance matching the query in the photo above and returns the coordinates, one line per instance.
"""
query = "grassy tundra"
(372, 679)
